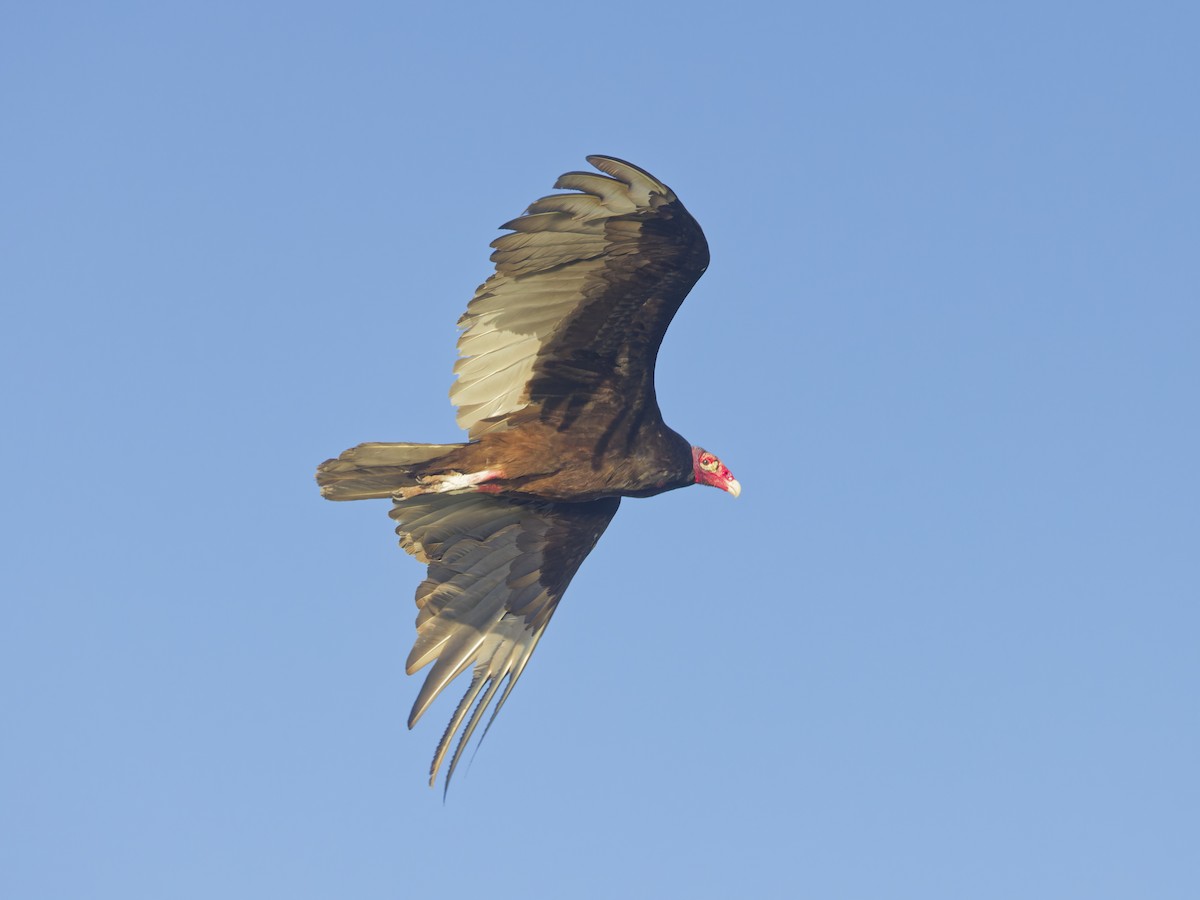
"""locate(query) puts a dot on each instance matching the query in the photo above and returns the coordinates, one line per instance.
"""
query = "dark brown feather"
(497, 568)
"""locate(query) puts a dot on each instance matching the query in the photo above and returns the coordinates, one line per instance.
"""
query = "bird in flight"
(555, 390)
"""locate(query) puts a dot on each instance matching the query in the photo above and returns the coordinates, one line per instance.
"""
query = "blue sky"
(944, 645)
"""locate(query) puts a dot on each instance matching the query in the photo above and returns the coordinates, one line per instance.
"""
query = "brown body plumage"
(537, 461)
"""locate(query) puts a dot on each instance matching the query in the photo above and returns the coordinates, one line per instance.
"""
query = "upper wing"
(497, 569)
(584, 290)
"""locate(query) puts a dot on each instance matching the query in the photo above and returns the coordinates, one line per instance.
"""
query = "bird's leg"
(449, 482)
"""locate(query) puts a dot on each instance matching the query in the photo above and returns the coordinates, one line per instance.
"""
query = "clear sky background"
(945, 644)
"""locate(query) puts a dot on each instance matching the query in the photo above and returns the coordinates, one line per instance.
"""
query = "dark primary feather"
(497, 568)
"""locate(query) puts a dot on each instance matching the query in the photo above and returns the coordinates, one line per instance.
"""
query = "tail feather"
(376, 470)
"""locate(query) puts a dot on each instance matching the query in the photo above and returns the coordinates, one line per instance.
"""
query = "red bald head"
(710, 470)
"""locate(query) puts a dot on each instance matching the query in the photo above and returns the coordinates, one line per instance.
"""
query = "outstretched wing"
(497, 569)
(584, 290)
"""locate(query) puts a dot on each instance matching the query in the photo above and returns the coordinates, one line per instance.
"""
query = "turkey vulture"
(556, 392)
